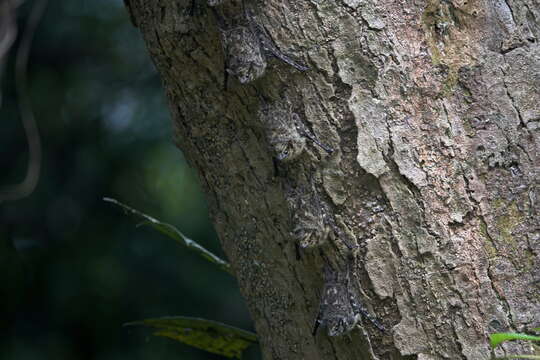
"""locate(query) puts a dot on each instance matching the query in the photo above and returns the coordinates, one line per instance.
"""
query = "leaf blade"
(173, 233)
(208, 335)
(498, 338)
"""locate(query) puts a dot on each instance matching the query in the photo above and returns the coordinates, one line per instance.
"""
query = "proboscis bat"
(246, 45)
(311, 228)
(244, 56)
(340, 309)
(282, 132)
(286, 133)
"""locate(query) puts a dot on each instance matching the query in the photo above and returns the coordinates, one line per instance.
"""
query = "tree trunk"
(420, 194)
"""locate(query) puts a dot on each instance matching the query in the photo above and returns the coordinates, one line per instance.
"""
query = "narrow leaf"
(175, 234)
(498, 338)
(203, 334)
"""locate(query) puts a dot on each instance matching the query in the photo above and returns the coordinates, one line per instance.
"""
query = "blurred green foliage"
(73, 268)
(211, 336)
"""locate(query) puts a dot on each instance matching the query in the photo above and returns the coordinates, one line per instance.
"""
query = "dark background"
(74, 268)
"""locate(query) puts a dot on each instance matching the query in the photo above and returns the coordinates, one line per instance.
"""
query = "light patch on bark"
(409, 338)
(372, 139)
(353, 3)
(406, 156)
(333, 184)
(379, 267)
(374, 21)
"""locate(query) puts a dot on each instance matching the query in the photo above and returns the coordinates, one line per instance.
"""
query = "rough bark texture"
(431, 108)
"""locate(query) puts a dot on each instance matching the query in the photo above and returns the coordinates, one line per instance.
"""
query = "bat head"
(341, 325)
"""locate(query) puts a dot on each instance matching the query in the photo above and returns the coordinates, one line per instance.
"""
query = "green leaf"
(498, 338)
(175, 234)
(204, 334)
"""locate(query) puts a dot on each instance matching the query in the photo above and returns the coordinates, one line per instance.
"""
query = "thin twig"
(27, 186)
(175, 234)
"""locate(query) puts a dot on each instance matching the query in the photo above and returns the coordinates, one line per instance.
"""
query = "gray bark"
(431, 108)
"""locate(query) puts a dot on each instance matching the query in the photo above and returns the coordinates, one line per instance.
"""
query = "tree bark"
(428, 202)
